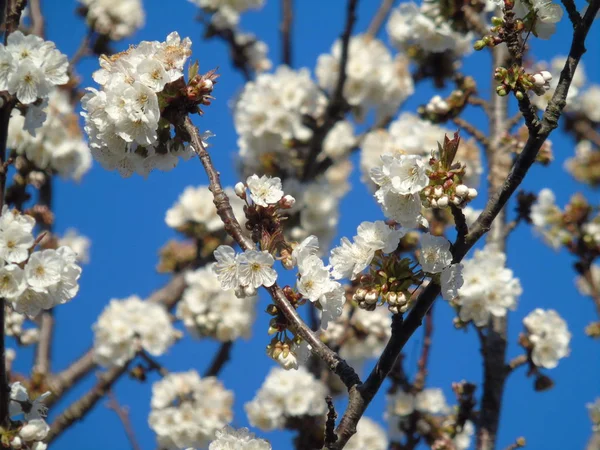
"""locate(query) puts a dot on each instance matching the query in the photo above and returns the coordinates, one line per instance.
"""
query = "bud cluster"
(441, 109)
(389, 281)
(445, 178)
(517, 80)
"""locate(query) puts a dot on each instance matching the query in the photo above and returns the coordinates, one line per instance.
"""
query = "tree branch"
(123, 415)
(287, 17)
(233, 228)
(219, 360)
(360, 396)
(421, 376)
(379, 18)
(81, 407)
(574, 15)
(36, 18)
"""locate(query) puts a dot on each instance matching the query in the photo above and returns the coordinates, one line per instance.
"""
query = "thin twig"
(287, 17)
(337, 105)
(153, 365)
(514, 121)
(82, 51)
(594, 288)
(379, 18)
(219, 360)
(472, 130)
(123, 414)
(83, 405)
(37, 18)
(421, 376)
(475, 20)
(516, 362)
(233, 228)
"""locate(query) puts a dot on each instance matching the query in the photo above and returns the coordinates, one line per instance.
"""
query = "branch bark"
(379, 18)
(219, 360)
(287, 18)
(123, 415)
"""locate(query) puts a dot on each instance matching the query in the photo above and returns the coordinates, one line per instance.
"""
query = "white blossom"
(78, 243)
(546, 218)
(550, 337)
(489, 287)
(116, 19)
(435, 253)
(129, 325)
(594, 412)
(208, 310)
(226, 267)
(54, 140)
(264, 191)
(20, 403)
(30, 66)
(451, 281)
(411, 25)
(241, 439)
(286, 394)
(256, 269)
(383, 89)
(195, 207)
(188, 411)
(369, 435)
(401, 174)
(122, 118)
(431, 401)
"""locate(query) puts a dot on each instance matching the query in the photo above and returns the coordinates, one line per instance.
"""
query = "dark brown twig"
(123, 414)
(574, 15)
(379, 18)
(287, 17)
(330, 436)
(516, 362)
(219, 360)
(472, 130)
(421, 375)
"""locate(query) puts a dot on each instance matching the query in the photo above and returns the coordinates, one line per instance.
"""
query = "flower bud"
(16, 443)
(538, 79)
(546, 75)
(240, 190)
(501, 91)
(360, 293)
(438, 191)
(207, 84)
(472, 193)
(443, 202)
(519, 95)
(461, 190)
(287, 202)
(496, 21)
(479, 45)
(371, 297)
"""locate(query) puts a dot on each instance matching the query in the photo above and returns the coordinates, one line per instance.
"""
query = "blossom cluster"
(124, 118)
(54, 141)
(410, 135)
(244, 272)
(188, 411)
(583, 166)
(402, 405)
(549, 336)
(424, 28)
(13, 326)
(383, 89)
(489, 288)
(30, 67)
(268, 117)
(33, 428)
(195, 213)
(116, 19)
(33, 280)
(242, 439)
(546, 218)
(574, 98)
(227, 11)
(128, 326)
(359, 334)
(285, 395)
(208, 310)
(78, 243)
(369, 435)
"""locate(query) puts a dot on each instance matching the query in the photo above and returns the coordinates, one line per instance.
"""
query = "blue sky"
(125, 220)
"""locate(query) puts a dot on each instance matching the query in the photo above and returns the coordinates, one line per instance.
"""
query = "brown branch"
(59, 384)
(14, 8)
(360, 396)
(82, 51)
(153, 365)
(219, 360)
(43, 349)
(574, 15)
(421, 376)
(594, 288)
(233, 228)
(379, 18)
(330, 436)
(81, 407)
(337, 106)
(37, 18)
(516, 362)
(475, 20)
(123, 414)
(478, 101)
(287, 17)
(471, 129)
